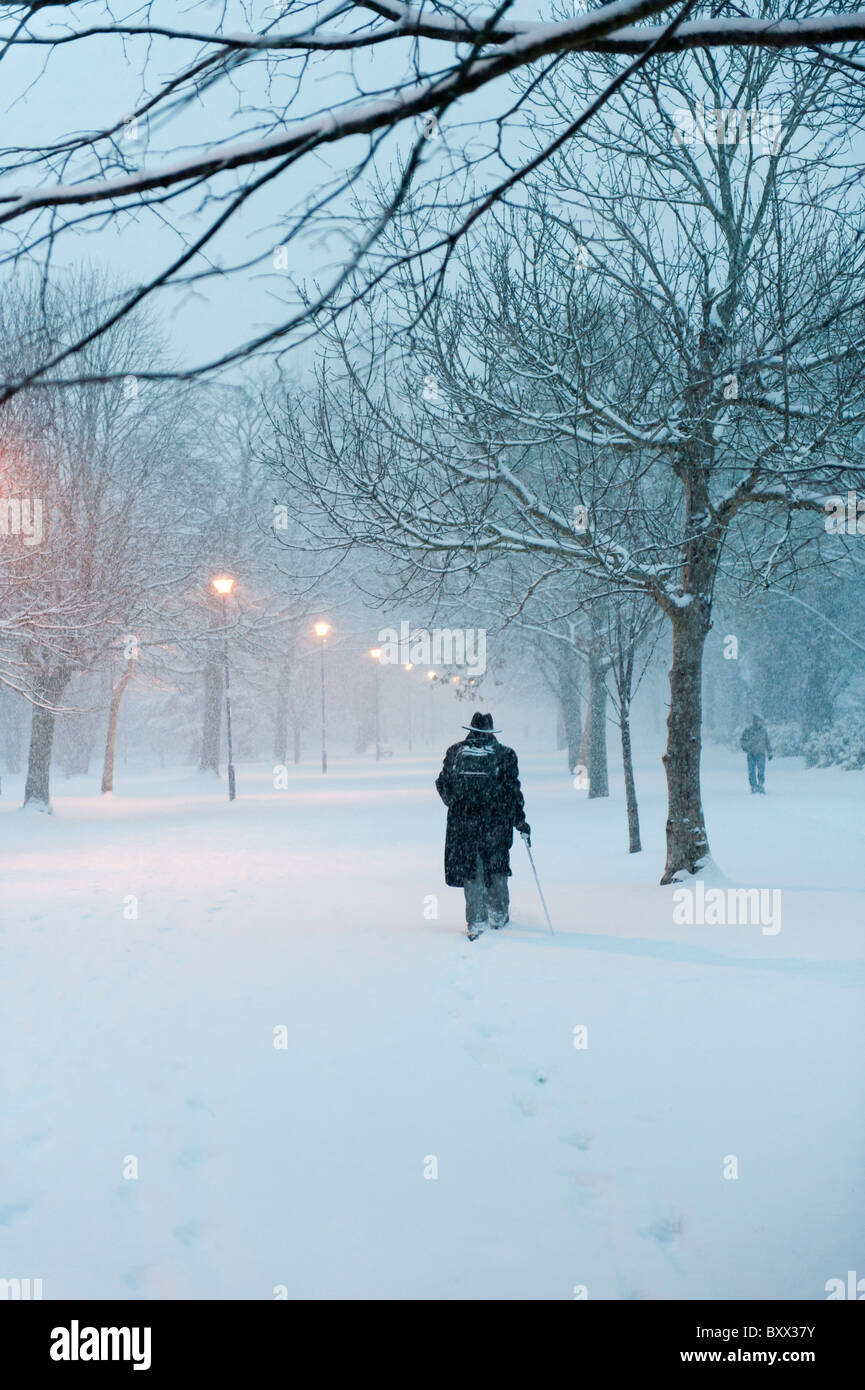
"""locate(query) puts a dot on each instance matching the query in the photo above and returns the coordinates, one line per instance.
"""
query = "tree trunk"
(10, 714)
(816, 700)
(211, 716)
(111, 736)
(37, 788)
(634, 845)
(687, 841)
(596, 764)
(583, 751)
(296, 732)
(710, 707)
(570, 712)
(365, 707)
(79, 743)
(691, 618)
(280, 723)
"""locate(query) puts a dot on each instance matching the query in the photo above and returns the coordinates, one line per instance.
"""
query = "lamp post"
(321, 630)
(223, 585)
(375, 653)
(431, 720)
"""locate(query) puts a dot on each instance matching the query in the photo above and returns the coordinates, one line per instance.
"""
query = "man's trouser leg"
(476, 897)
(760, 769)
(752, 771)
(497, 899)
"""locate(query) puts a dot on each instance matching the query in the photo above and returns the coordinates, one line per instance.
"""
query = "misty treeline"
(146, 491)
(120, 503)
(617, 421)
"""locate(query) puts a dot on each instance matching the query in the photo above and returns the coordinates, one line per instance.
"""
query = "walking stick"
(525, 841)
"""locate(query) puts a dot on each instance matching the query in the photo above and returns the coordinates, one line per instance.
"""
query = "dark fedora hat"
(482, 724)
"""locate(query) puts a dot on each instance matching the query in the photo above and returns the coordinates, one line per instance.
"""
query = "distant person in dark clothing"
(755, 742)
(480, 785)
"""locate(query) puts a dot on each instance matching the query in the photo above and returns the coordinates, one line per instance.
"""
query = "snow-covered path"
(303, 1166)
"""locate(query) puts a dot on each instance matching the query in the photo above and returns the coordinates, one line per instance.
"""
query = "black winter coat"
(490, 830)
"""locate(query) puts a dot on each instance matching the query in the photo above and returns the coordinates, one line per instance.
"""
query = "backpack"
(752, 739)
(475, 775)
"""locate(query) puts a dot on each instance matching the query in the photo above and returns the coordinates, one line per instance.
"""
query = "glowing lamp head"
(430, 675)
(321, 629)
(409, 666)
(375, 653)
(223, 585)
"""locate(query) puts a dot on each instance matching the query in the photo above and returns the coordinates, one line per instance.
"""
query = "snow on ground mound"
(267, 1010)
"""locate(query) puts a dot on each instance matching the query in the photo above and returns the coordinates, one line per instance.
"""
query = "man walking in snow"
(755, 742)
(480, 785)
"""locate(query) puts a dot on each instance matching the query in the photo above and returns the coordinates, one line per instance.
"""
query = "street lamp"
(375, 653)
(321, 630)
(222, 585)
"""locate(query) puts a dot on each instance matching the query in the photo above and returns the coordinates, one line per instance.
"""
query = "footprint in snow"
(526, 1104)
(31, 1141)
(189, 1234)
(194, 1103)
(664, 1230)
(190, 1158)
(465, 992)
(9, 1211)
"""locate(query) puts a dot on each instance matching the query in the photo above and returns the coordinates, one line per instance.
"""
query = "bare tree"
(349, 91)
(691, 388)
(632, 625)
(97, 465)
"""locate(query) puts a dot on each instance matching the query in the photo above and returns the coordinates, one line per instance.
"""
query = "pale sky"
(88, 84)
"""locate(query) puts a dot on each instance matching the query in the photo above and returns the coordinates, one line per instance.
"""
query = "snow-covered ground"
(311, 909)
